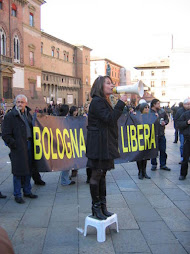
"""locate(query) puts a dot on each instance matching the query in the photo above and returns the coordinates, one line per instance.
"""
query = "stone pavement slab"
(157, 232)
(184, 238)
(29, 240)
(143, 212)
(129, 241)
(167, 248)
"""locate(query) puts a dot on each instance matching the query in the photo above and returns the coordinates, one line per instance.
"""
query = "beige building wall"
(83, 72)
(155, 76)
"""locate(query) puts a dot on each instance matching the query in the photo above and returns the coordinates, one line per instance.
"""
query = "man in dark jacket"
(174, 109)
(180, 111)
(184, 125)
(163, 118)
(17, 134)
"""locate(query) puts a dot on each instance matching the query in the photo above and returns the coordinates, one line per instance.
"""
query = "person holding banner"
(102, 141)
(18, 135)
(144, 109)
(65, 178)
(164, 120)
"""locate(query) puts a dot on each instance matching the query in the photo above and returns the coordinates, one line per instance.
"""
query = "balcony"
(5, 60)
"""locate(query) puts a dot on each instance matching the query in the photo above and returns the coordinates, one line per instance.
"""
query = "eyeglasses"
(20, 102)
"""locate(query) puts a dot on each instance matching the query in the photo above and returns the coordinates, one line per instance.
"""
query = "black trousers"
(98, 185)
(88, 172)
(36, 175)
(176, 132)
(141, 165)
(186, 155)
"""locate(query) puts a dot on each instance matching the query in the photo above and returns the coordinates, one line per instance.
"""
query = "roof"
(82, 46)
(96, 58)
(163, 63)
(61, 41)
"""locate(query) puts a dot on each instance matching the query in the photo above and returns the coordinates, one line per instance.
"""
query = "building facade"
(98, 66)
(65, 71)
(155, 77)
(178, 87)
(42, 67)
(20, 40)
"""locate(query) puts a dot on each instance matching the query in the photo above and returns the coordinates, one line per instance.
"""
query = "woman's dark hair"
(142, 106)
(63, 110)
(97, 87)
(72, 109)
(153, 102)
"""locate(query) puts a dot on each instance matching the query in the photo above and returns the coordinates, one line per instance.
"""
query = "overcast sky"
(128, 32)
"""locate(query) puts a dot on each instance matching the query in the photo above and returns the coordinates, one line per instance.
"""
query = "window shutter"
(14, 7)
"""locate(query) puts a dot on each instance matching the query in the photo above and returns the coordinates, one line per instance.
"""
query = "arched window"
(31, 19)
(52, 52)
(14, 10)
(3, 42)
(42, 47)
(16, 49)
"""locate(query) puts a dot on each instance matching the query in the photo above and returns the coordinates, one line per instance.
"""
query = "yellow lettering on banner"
(125, 149)
(153, 138)
(37, 142)
(140, 136)
(133, 134)
(67, 145)
(74, 143)
(82, 143)
(54, 155)
(128, 137)
(46, 154)
(146, 136)
(60, 154)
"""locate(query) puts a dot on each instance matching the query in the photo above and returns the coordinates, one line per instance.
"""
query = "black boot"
(96, 205)
(141, 175)
(140, 166)
(104, 207)
(97, 211)
(146, 176)
(102, 189)
(144, 170)
(2, 196)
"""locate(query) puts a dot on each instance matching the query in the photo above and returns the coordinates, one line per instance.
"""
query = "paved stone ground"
(154, 215)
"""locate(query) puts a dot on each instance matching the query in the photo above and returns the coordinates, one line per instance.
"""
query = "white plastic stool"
(100, 225)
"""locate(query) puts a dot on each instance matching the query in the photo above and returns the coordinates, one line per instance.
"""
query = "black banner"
(59, 142)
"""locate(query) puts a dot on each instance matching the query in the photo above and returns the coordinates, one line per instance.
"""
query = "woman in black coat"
(102, 141)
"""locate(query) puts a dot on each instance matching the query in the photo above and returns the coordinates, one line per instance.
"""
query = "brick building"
(98, 66)
(37, 64)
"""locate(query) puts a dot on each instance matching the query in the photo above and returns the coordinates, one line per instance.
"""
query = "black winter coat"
(180, 111)
(15, 136)
(102, 129)
(183, 125)
(161, 114)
